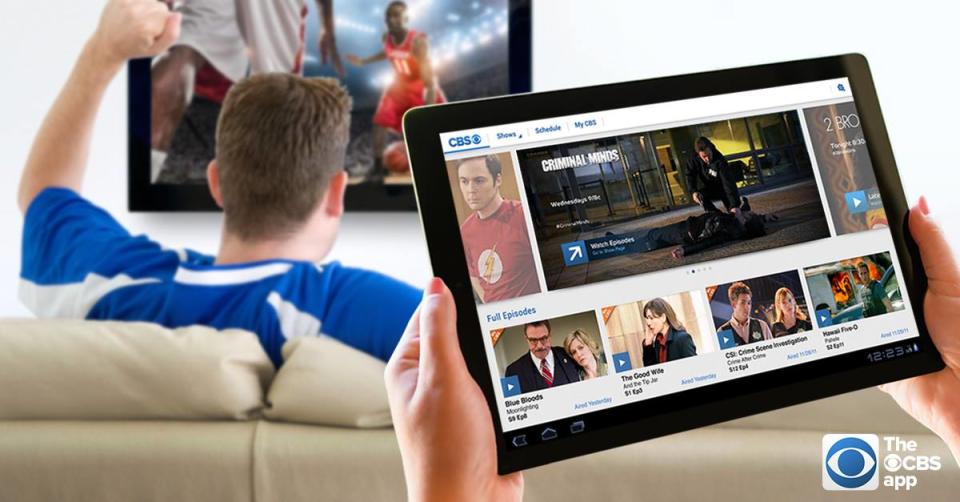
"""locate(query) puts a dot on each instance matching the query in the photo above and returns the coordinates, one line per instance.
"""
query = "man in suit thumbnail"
(544, 365)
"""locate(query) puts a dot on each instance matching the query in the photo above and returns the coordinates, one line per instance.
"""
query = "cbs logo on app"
(850, 462)
(461, 141)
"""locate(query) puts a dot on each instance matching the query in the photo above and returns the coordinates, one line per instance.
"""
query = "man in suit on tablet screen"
(543, 366)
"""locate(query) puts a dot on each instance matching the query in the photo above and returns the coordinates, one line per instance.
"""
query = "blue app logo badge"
(574, 253)
(510, 385)
(621, 362)
(850, 462)
(726, 339)
(857, 202)
(824, 318)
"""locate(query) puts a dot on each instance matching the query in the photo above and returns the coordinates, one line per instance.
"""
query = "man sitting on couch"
(278, 175)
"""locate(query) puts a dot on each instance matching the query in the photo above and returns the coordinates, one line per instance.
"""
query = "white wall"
(576, 43)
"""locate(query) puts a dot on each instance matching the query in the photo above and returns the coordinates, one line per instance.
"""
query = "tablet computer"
(638, 259)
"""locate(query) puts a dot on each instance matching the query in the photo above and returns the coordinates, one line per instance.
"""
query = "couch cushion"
(143, 461)
(296, 462)
(72, 369)
(323, 381)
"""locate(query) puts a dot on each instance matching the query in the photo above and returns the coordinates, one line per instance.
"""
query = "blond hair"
(778, 297)
(585, 339)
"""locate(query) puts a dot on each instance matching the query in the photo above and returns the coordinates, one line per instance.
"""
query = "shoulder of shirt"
(319, 269)
(513, 208)
(283, 274)
(471, 220)
(53, 194)
(515, 204)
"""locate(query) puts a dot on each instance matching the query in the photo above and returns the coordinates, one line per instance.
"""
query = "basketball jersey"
(271, 38)
(405, 66)
(79, 262)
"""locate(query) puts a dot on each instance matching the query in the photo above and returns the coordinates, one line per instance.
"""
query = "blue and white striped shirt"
(79, 262)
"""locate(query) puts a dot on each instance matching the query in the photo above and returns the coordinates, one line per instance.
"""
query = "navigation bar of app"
(639, 116)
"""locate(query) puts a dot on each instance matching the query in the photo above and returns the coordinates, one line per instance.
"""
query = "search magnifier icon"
(841, 88)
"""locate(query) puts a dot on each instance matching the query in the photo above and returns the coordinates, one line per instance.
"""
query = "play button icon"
(725, 337)
(856, 202)
(510, 385)
(824, 318)
(621, 362)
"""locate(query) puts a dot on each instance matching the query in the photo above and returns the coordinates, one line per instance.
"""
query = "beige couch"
(128, 411)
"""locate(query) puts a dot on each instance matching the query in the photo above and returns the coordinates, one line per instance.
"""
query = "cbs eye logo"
(458, 141)
(850, 462)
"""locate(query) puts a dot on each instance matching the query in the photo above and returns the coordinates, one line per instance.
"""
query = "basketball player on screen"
(414, 83)
(223, 41)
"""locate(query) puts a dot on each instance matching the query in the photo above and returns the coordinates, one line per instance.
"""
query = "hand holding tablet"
(441, 419)
(934, 399)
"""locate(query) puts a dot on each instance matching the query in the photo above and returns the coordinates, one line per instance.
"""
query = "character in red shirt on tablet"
(495, 236)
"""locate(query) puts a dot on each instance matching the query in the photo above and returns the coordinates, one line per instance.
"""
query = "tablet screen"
(633, 253)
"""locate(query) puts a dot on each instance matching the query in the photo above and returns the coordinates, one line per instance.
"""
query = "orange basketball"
(395, 158)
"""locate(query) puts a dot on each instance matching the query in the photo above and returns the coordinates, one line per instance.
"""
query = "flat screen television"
(475, 49)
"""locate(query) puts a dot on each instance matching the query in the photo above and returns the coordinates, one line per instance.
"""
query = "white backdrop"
(576, 42)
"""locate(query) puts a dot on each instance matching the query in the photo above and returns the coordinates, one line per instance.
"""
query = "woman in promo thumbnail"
(790, 319)
(665, 338)
(585, 351)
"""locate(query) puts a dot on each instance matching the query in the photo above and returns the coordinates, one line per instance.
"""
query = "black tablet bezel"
(142, 195)
(717, 402)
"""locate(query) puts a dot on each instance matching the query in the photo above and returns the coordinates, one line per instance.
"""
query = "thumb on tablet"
(439, 344)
